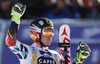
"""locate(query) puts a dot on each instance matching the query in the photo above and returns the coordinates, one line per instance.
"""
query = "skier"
(41, 32)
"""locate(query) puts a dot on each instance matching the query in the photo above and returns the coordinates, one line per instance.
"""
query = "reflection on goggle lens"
(48, 31)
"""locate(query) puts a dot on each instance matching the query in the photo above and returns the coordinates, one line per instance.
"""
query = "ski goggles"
(47, 31)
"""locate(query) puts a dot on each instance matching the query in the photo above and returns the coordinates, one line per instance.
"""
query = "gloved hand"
(83, 51)
(17, 11)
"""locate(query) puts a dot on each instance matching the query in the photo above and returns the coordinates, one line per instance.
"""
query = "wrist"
(76, 62)
(78, 58)
(16, 18)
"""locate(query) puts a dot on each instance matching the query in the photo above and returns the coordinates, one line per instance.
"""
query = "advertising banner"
(87, 34)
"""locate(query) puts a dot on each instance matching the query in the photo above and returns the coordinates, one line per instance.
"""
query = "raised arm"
(83, 51)
(17, 11)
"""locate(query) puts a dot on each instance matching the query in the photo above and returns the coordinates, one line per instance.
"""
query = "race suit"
(26, 54)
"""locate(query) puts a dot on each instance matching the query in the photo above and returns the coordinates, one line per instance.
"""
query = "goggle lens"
(48, 31)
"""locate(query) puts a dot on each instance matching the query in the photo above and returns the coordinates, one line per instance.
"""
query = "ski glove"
(83, 51)
(17, 11)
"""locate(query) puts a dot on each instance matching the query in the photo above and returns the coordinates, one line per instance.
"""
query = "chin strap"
(42, 45)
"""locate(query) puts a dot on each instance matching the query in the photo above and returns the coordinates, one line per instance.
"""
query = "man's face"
(46, 39)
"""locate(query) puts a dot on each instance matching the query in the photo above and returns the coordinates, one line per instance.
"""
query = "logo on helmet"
(41, 22)
(48, 21)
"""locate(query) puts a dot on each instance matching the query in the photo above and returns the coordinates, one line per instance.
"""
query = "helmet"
(40, 26)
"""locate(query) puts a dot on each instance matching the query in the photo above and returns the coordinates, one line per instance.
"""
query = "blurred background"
(83, 17)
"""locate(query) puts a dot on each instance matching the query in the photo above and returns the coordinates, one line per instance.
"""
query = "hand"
(83, 51)
(17, 11)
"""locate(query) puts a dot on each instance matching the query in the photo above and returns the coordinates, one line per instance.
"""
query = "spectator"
(35, 9)
(62, 10)
(5, 9)
(92, 8)
(87, 8)
(96, 10)
(38, 8)
(49, 5)
(79, 6)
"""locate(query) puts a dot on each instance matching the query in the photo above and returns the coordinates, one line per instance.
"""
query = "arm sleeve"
(20, 50)
(12, 34)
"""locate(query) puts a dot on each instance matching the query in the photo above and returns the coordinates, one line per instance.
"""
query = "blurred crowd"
(53, 9)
